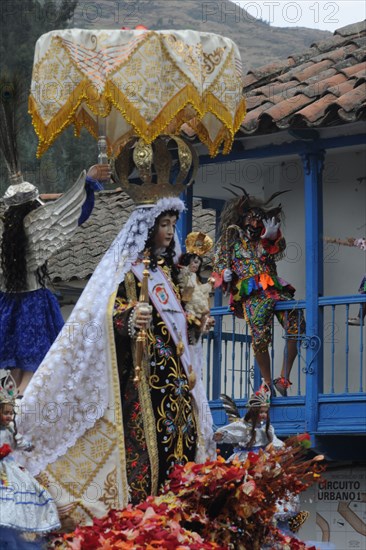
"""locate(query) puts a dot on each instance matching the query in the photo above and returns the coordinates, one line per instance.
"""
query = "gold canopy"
(143, 83)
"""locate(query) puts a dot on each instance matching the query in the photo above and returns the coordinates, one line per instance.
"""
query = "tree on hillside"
(22, 22)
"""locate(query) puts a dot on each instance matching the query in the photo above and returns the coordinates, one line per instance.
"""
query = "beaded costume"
(256, 286)
(250, 245)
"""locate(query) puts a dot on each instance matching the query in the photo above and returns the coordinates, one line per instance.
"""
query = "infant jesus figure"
(195, 292)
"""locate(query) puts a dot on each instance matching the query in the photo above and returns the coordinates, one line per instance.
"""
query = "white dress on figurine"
(24, 504)
(238, 433)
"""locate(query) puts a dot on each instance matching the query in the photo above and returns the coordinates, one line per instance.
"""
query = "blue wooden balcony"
(327, 396)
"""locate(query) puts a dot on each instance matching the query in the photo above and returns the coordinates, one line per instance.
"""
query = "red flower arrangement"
(215, 505)
(5, 450)
(304, 440)
(152, 525)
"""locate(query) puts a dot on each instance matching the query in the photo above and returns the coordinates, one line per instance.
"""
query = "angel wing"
(50, 226)
(230, 407)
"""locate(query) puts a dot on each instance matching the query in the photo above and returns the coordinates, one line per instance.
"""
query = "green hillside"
(23, 21)
(259, 42)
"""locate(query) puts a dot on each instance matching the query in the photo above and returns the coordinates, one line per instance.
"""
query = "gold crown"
(198, 243)
(8, 389)
(261, 398)
(144, 157)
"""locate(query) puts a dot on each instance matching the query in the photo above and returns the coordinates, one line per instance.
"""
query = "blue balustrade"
(340, 407)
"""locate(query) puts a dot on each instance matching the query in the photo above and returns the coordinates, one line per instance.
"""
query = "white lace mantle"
(69, 391)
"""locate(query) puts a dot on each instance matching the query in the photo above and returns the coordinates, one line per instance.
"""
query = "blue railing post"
(184, 223)
(313, 162)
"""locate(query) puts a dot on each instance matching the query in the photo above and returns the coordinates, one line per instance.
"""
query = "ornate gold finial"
(154, 164)
(141, 339)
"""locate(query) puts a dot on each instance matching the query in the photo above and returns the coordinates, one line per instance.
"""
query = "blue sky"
(323, 14)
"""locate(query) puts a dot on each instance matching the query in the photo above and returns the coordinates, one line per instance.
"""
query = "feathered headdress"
(230, 407)
(8, 389)
(19, 191)
(235, 209)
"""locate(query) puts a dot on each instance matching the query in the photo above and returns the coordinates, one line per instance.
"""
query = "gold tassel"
(191, 378)
(180, 346)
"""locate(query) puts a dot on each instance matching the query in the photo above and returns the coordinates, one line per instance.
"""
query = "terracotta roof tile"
(274, 88)
(330, 43)
(290, 75)
(360, 54)
(251, 121)
(255, 101)
(304, 56)
(352, 99)
(318, 88)
(272, 68)
(287, 107)
(321, 76)
(346, 64)
(359, 68)
(354, 115)
(315, 111)
(325, 85)
(343, 88)
(314, 70)
(336, 55)
(360, 41)
(353, 29)
(249, 79)
(288, 94)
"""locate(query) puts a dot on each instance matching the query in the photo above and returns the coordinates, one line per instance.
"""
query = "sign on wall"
(337, 509)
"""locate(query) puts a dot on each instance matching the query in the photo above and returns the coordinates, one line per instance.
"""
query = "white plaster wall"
(344, 196)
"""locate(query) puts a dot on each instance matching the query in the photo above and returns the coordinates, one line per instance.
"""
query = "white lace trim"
(69, 391)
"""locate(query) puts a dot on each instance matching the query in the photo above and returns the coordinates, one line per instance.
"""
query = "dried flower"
(216, 505)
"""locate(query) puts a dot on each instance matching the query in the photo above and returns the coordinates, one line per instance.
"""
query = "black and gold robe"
(158, 415)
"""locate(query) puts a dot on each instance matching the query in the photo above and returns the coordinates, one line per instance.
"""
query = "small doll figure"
(26, 507)
(195, 293)
(254, 432)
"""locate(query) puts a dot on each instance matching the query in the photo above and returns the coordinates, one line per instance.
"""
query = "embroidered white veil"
(70, 390)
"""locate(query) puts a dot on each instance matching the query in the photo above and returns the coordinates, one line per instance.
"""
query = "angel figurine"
(254, 432)
(30, 233)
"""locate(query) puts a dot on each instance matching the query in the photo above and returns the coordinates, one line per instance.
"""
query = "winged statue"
(30, 233)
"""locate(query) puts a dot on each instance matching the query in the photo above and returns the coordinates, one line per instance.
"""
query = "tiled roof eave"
(322, 87)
